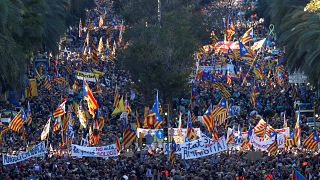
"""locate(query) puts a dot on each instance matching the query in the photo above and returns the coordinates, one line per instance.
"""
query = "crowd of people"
(274, 102)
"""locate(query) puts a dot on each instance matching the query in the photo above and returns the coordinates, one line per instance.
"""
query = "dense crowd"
(275, 98)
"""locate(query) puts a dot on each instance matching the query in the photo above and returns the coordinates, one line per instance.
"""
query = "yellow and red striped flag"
(94, 53)
(248, 36)
(100, 21)
(88, 96)
(56, 126)
(297, 131)
(191, 134)
(116, 97)
(273, 148)
(61, 110)
(118, 145)
(47, 84)
(207, 119)
(17, 122)
(128, 137)
(60, 80)
(260, 128)
(312, 141)
(100, 46)
(45, 130)
(230, 31)
(172, 151)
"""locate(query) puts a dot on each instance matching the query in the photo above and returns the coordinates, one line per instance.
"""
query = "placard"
(102, 151)
(37, 150)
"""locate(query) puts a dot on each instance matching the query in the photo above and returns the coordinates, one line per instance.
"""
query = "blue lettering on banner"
(37, 150)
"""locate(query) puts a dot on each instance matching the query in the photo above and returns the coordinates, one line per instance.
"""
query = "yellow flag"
(119, 108)
(100, 46)
(101, 21)
(31, 89)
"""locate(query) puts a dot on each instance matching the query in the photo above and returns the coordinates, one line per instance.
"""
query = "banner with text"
(205, 147)
(103, 151)
(263, 145)
(37, 150)
(92, 77)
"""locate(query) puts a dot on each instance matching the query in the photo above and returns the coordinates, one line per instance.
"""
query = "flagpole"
(255, 58)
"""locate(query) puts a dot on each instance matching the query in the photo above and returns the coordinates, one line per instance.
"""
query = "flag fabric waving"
(296, 175)
(191, 134)
(45, 130)
(47, 84)
(100, 45)
(128, 136)
(207, 119)
(100, 21)
(82, 118)
(172, 152)
(311, 141)
(260, 128)
(257, 45)
(242, 49)
(116, 97)
(220, 113)
(61, 110)
(230, 31)
(94, 53)
(248, 36)
(297, 131)
(88, 96)
(225, 93)
(119, 108)
(17, 122)
(273, 147)
(118, 145)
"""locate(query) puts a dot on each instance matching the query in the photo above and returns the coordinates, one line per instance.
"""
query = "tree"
(161, 57)
(298, 31)
(27, 26)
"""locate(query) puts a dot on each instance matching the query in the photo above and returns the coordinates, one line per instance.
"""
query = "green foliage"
(27, 26)
(135, 11)
(298, 31)
(161, 57)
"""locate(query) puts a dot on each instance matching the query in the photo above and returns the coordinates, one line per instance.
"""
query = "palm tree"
(298, 31)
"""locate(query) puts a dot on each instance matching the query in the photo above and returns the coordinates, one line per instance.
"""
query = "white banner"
(103, 151)
(37, 150)
(263, 145)
(203, 148)
(167, 148)
(283, 131)
(87, 76)
(179, 135)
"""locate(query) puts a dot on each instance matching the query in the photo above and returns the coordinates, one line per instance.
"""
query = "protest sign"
(179, 135)
(178, 149)
(36, 151)
(92, 77)
(103, 151)
(204, 147)
(263, 145)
